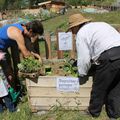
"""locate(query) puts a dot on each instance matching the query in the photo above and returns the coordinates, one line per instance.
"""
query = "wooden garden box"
(43, 95)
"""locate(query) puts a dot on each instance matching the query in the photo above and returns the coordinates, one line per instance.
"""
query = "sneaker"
(13, 110)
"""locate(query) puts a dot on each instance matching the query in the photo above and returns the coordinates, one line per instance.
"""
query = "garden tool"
(14, 95)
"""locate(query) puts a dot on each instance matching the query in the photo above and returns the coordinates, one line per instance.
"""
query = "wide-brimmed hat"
(77, 19)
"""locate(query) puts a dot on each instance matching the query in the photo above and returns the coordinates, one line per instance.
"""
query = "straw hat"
(77, 19)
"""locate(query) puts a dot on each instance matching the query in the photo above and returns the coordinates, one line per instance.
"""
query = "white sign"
(68, 84)
(65, 40)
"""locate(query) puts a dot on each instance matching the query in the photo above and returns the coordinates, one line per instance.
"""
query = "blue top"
(5, 41)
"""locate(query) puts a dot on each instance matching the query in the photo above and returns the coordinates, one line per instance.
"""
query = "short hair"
(36, 27)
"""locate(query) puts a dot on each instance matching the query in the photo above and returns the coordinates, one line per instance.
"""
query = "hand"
(2, 55)
(83, 79)
(27, 54)
(37, 56)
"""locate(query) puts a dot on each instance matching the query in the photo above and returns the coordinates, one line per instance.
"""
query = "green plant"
(70, 68)
(29, 65)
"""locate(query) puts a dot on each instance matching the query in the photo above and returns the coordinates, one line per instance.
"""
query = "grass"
(61, 22)
(55, 114)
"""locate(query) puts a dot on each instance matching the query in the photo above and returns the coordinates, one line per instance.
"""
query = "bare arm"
(37, 56)
(16, 34)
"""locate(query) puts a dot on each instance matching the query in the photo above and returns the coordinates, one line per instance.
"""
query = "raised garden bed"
(43, 93)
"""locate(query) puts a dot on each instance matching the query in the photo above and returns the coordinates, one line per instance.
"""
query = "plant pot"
(29, 75)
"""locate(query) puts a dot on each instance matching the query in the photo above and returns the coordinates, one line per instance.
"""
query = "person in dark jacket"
(99, 42)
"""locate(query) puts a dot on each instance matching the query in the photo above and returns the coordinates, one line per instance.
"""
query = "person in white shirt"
(5, 97)
(99, 42)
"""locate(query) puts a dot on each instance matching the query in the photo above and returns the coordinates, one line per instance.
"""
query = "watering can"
(14, 95)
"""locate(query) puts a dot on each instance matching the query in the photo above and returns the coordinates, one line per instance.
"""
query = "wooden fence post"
(72, 52)
(48, 46)
(59, 52)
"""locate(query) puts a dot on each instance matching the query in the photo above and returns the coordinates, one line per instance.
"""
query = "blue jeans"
(8, 103)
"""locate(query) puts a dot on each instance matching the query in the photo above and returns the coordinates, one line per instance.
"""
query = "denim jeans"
(8, 103)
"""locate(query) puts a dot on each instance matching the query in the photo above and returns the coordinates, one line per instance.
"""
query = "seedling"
(71, 68)
(48, 70)
(29, 65)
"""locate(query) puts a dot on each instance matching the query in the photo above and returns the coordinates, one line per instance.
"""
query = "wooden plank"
(48, 46)
(50, 81)
(66, 102)
(59, 52)
(43, 95)
(72, 52)
(47, 108)
(52, 92)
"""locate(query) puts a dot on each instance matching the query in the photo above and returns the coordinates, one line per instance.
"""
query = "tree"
(1, 3)
(73, 2)
(17, 4)
(78, 2)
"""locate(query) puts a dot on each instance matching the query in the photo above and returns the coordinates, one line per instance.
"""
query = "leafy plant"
(70, 68)
(29, 65)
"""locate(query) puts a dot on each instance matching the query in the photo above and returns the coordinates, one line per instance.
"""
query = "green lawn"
(62, 20)
(55, 114)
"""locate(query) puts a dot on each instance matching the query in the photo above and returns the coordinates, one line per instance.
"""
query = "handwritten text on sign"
(65, 40)
(68, 84)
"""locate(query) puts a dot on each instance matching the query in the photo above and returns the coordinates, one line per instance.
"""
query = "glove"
(83, 79)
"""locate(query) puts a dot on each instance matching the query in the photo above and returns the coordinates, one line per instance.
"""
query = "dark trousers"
(8, 103)
(7, 67)
(106, 85)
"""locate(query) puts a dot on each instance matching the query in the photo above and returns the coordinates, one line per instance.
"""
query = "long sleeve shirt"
(93, 39)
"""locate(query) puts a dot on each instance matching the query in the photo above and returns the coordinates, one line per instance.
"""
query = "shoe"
(1, 109)
(13, 110)
(85, 112)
